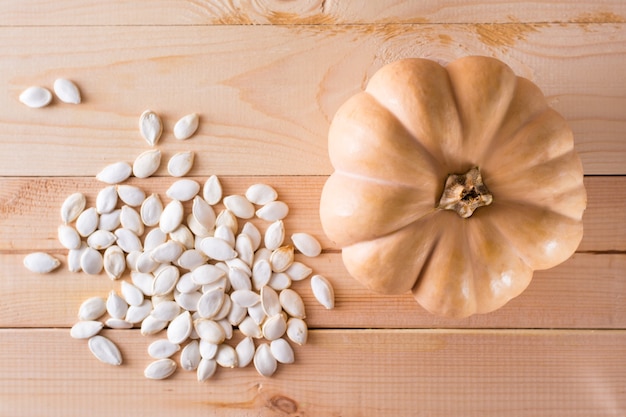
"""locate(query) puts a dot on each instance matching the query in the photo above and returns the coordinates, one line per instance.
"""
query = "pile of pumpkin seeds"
(195, 276)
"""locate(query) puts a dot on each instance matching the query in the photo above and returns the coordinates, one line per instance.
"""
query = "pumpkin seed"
(165, 280)
(261, 274)
(130, 195)
(151, 210)
(261, 194)
(91, 261)
(239, 206)
(210, 303)
(292, 303)
(245, 352)
(150, 127)
(208, 350)
(227, 218)
(162, 348)
(253, 233)
(186, 126)
(179, 329)
(73, 258)
(180, 164)
(206, 369)
(183, 190)
(209, 330)
(297, 330)
(167, 252)
(36, 97)
(272, 211)
(115, 173)
(264, 361)
(282, 351)
(190, 356)
(41, 262)
(131, 294)
(87, 222)
(151, 325)
(160, 369)
(85, 329)
(92, 309)
(270, 301)
(257, 313)
(236, 314)
(136, 314)
(114, 262)
(66, 91)
(127, 240)
(191, 259)
(274, 235)
(306, 244)
(116, 305)
(71, 208)
(274, 327)
(281, 258)
(226, 356)
(147, 163)
(166, 311)
(114, 323)
(109, 221)
(203, 212)
(323, 291)
(245, 298)
(279, 281)
(101, 239)
(183, 236)
(105, 350)
(298, 271)
(212, 190)
(171, 217)
(106, 200)
(216, 248)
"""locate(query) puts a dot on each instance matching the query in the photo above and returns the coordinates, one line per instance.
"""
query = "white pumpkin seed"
(162, 348)
(71, 208)
(186, 285)
(298, 271)
(85, 329)
(210, 303)
(186, 126)
(226, 356)
(279, 281)
(130, 195)
(150, 325)
(87, 222)
(264, 361)
(203, 212)
(128, 240)
(275, 210)
(206, 369)
(101, 239)
(245, 352)
(171, 217)
(147, 163)
(151, 210)
(184, 236)
(253, 233)
(73, 258)
(323, 291)
(236, 314)
(239, 206)
(145, 263)
(212, 190)
(207, 274)
(292, 303)
(282, 351)
(91, 261)
(239, 264)
(257, 313)
(297, 331)
(207, 349)
(165, 280)
(216, 248)
(179, 329)
(227, 218)
(136, 314)
(209, 330)
(131, 294)
(36, 97)
(150, 127)
(183, 190)
(274, 235)
(114, 323)
(115, 173)
(92, 309)
(197, 229)
(225, 233)
(166, 311)
(261, 194)
(130, 219)
(114, 262)
(109, 221)
(245, 298)
(261, 274)
(180, 164)
(160, 369)
(167, 252)
(190, 356)
(191, 259)
(105, 350)
(274, 327)
(106, 200)
(245, 249)
(239, 279)
(41, 262)
(66, 91)
(282, 258)
(270, 301)
(306, 244)
(116, 305)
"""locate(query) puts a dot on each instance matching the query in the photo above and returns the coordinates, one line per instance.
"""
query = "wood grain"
(309, 12)
(337, 373)
(250, 126)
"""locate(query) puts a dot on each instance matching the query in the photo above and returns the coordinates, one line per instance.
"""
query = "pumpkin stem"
(464, 193)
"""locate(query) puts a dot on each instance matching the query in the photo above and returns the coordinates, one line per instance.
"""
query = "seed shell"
(180, 164)
(212, 190)
(162, 348)
(150, 127)
(183, 190)
(160, 369)
(261, 194)
(105, 350)
(147, 163)
(67, 91)
(190, 356)
(36, 97)
(115, 173)
(282, 351)
(85, 329)
(206, 369)
(186, 126)
(323, 291)
(41, 262)
(306, 244)
(275, 210)
(92, 309)
(264, 361)
(87, 222)
(71, 208)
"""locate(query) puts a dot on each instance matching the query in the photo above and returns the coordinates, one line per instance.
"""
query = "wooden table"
(267, 77)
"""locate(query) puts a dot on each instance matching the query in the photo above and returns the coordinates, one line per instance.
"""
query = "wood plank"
(268, 113)
(587, 291)
(318, 12)
(29, 207)
(347, 373)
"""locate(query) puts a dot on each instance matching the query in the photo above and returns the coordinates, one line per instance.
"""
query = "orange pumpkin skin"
(394, 145)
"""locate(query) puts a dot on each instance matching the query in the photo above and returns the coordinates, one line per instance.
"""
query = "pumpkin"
(453, 182)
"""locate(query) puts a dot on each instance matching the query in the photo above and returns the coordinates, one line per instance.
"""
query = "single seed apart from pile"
(306, 244)
(212, 190)
(150, 127)
(36, 97)
(186, 126)
(160, 369)
(180, 164)
(105, 350)
(41, 262)
(272, 211)
(323, 291)
(85, 329)
(66, 91)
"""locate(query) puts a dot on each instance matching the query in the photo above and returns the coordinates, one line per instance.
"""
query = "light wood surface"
(266, 78)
